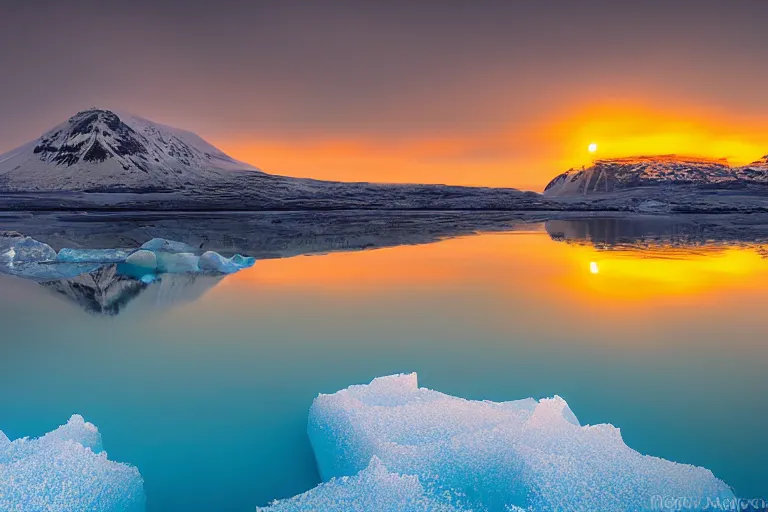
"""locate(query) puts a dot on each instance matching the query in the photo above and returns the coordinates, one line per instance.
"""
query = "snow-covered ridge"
(106, 160)
(612, 175)
(99, 149)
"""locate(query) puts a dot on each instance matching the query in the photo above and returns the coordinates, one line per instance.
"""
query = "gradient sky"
(476, 93)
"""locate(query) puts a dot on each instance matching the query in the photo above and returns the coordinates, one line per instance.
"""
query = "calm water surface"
(209, 397)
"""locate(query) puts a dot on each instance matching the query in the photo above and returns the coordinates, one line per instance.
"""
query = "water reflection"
(640, 259)
(638, 232)
(210, 397)
(106, 291)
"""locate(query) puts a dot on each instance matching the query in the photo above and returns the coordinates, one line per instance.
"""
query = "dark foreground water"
(205, 384)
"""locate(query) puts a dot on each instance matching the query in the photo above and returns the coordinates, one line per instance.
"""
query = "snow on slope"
(130, 158)
(100, 150)
(626, 173)
(756, 171)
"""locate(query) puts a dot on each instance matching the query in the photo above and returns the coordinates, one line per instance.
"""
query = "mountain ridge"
(102, 160)
(625, 173)
(99, 160)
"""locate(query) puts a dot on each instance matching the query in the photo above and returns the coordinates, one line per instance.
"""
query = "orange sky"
(522, 157)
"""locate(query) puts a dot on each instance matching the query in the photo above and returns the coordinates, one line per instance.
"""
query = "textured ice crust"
(481, 455)
(26, 257)
(373, 489)
(215, 262)
(16, 248)
(93, 255)
(66, 470)
(161, 244)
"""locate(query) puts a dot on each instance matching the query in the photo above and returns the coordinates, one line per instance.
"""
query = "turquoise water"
(209, 397)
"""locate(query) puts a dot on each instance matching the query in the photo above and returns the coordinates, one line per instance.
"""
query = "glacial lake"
(205, 384)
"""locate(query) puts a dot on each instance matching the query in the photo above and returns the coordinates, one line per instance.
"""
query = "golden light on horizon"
(593, 267)
(510, 156)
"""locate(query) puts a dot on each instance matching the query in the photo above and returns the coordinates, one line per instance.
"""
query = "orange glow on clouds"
(524, 157)
(631, 130)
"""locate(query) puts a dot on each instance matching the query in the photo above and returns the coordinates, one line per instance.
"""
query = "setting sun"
(592, 147)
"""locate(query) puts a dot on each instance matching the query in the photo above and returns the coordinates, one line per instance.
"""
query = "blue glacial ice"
(66, 470)
(177, 262)
(243, 261)
(16, 248)
(25, 257)
(93, 255)
(371, 490)
(163, 245)
(143, 259)
(525, 455)
(215, 262)
(46, 271)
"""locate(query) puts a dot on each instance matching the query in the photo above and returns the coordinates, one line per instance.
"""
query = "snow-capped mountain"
(619, 174)
(103, 160)
(756, 171)
(101, 150)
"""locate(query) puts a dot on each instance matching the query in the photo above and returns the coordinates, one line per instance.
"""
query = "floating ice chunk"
(161, 244)
(93, 255)
(214, 261)
(373, 489)
(49, 271)
(66, 470)
(177, 263)
(497, 456)
(243, 261)
(143, 259)
(17, 248)
(25, 257)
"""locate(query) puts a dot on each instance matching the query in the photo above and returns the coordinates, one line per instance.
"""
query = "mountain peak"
(93, 136)
(99, 149)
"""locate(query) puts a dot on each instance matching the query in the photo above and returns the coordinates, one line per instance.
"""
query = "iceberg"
(48, 271)
(163, 245)
(16, 248)
(177, 262)
(26, 257)
(143, 259)
(373, 489)
(215, 262)
(66, 470)
(93, 255)
(148, 278)
(243, 261)
(524, 455)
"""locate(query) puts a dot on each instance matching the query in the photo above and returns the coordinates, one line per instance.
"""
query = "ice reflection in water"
(209, 398)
